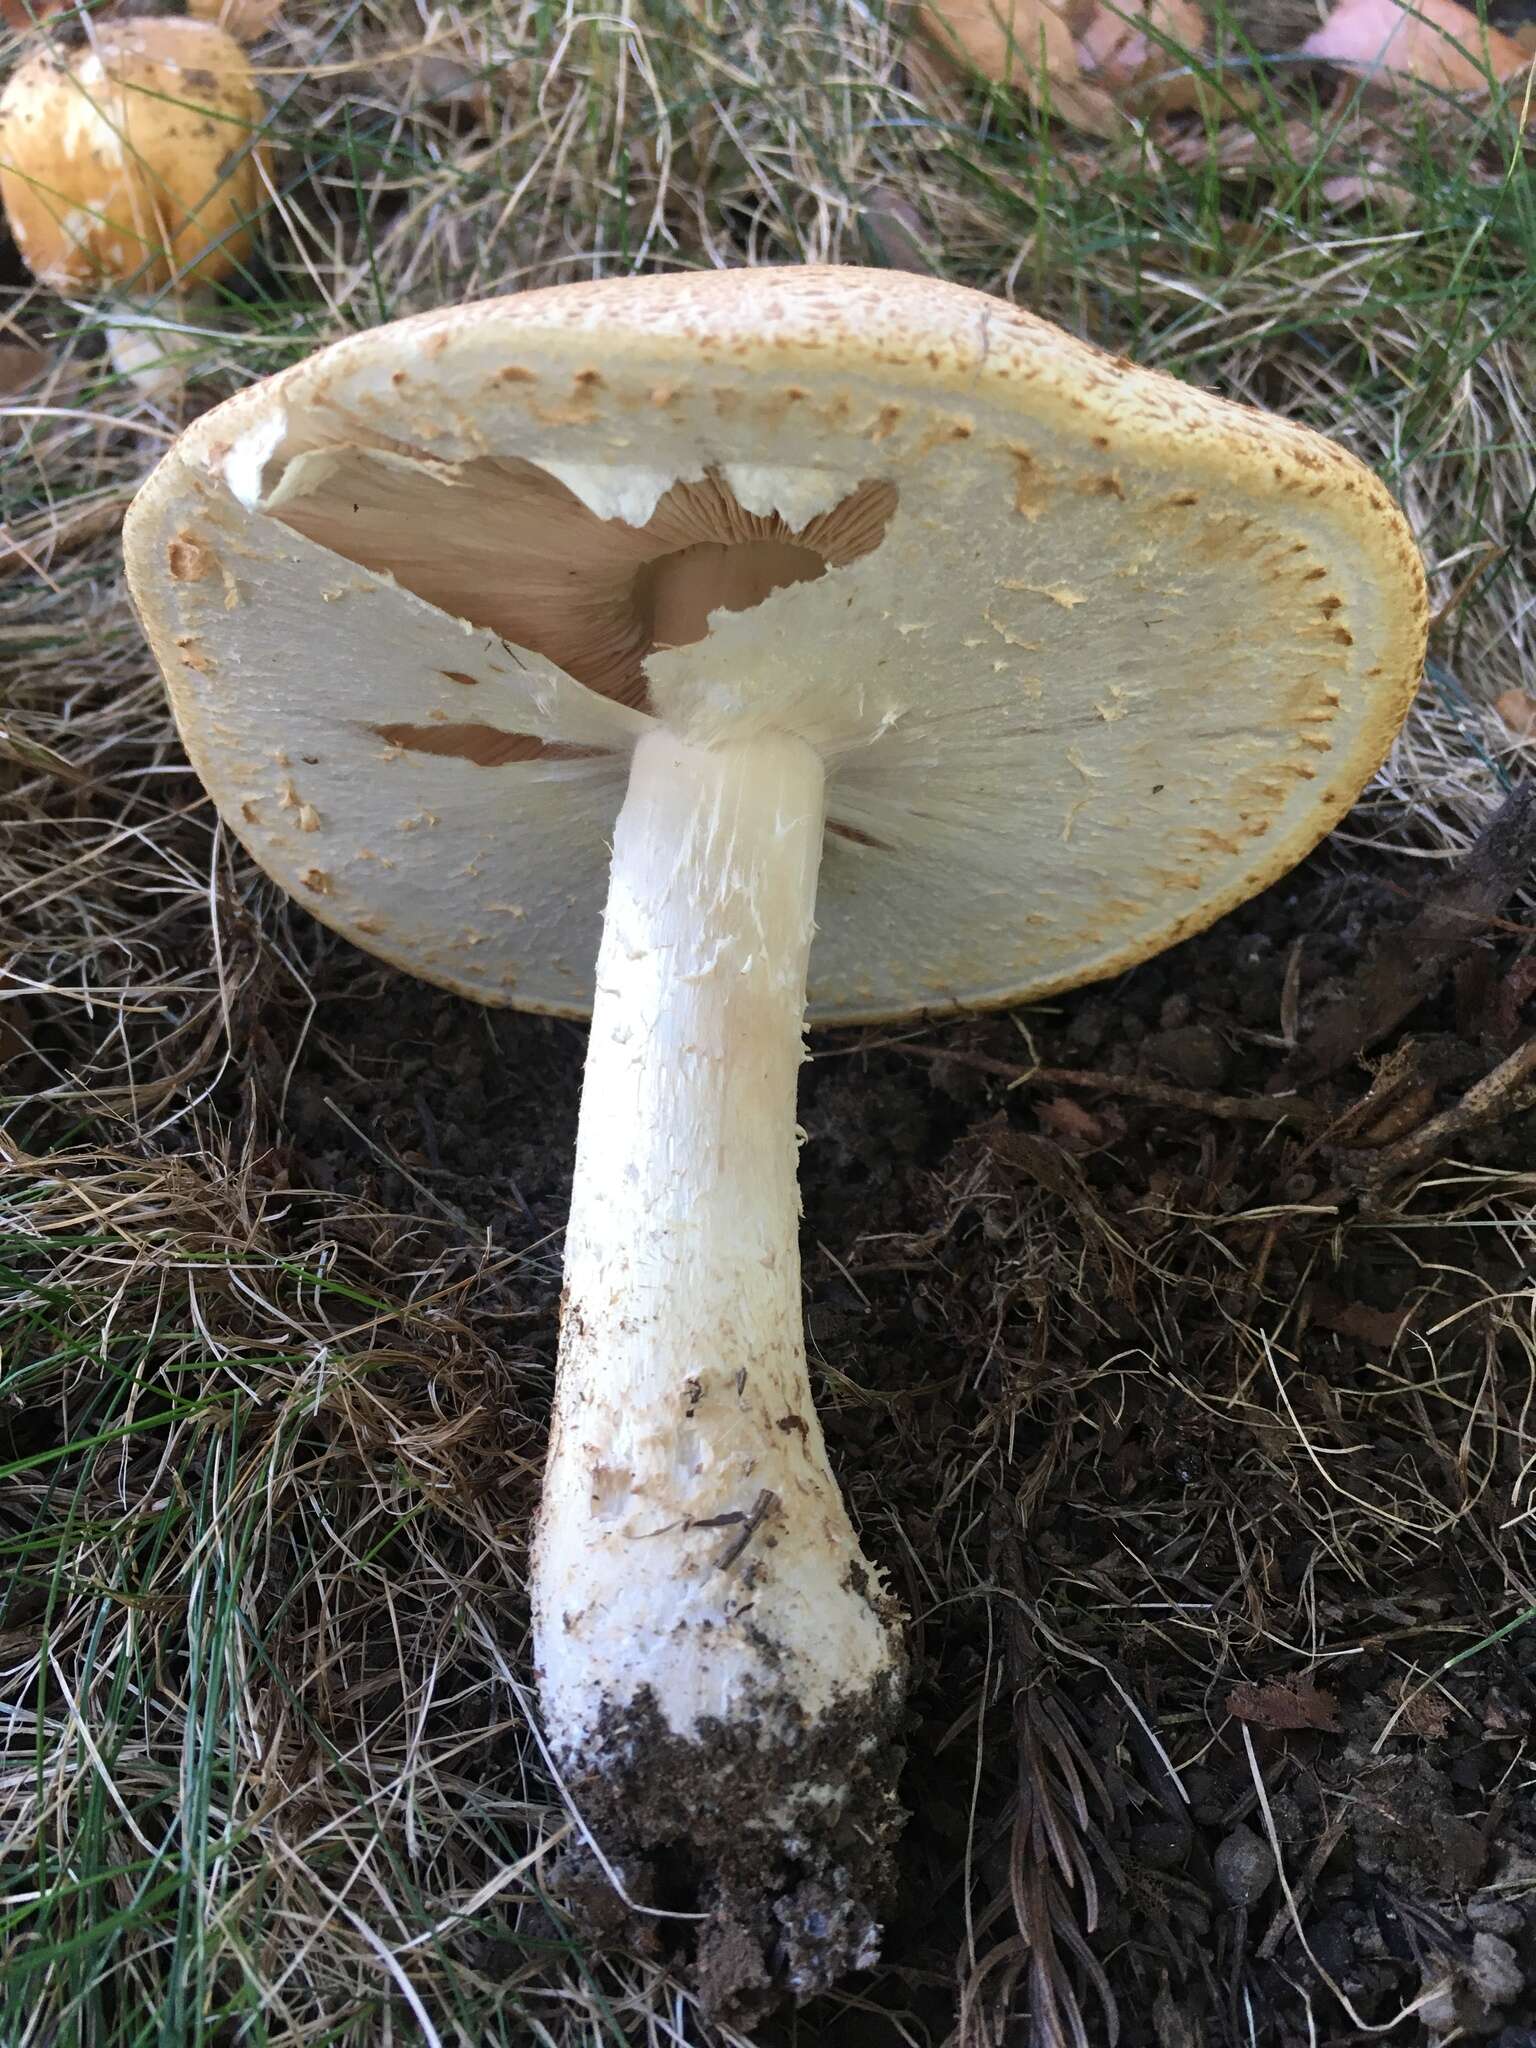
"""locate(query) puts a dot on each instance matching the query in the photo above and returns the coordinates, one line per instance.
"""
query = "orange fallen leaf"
(1009, 41)
(1124, 48)
(1517, 708)
(1022, 43)
(1433, 43)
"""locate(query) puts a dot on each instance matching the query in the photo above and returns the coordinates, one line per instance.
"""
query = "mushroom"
(814, 594)
(246, 20)
(129, 165)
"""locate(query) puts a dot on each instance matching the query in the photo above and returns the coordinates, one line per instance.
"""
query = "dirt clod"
(1495, 1973)
(1245, 1868)
(779, 1890)
(1192, 1055)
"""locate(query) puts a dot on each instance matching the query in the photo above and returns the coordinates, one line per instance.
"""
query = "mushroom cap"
(1090, 656)
(130, 160)
(245, 20)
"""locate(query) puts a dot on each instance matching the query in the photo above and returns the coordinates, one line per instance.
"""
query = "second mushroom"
(638, 650)
(131, 166)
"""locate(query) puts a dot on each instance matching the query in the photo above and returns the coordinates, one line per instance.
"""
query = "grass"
(269, 1445)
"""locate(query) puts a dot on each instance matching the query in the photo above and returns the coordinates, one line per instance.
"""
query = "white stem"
(694, 1553)
(151, 348)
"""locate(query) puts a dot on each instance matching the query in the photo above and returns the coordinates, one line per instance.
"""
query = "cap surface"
(1091, 656)
(129, 160)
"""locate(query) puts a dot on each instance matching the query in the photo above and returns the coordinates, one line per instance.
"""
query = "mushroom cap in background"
(1091, 656)
(246, 20)
(129, 160)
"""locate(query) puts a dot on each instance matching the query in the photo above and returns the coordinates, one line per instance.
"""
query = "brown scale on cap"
(484, 745)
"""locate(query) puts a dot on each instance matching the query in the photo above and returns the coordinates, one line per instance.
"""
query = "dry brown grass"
(280, 1235)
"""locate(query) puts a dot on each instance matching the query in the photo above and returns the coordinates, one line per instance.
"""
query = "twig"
(455, 1216)
(1508, 1090)
(82, 524)
(1260, 1109)
(1327, 1842)
(766, 1501)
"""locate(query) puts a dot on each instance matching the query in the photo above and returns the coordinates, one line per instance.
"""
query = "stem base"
(789, 1886)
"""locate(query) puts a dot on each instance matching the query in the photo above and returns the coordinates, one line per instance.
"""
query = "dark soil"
(783, 1898)
(1190, 1440)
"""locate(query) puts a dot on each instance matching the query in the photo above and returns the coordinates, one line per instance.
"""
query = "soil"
(1190, 1444)
(781, 1898)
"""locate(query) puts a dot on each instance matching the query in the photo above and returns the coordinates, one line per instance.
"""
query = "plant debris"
(1410, 964)
(1285, 1703)
(1436, 44)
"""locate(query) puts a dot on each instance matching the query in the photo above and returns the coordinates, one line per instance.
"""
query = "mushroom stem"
(151, 349)
(718, 1665)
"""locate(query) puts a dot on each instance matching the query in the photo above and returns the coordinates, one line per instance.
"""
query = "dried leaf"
(895, 227)
(1285, 1704)
(1375, 185)
(1501, 1718)
(20, 365)
(1517, 708)
(1424, 1711)
(1236, 149)
(1411, 961)
(1022, 43)
(1122, 45)
(1134, 64)
(447, 82)
(1434, 43)
(1071, 1125)
(1012, 42)
(1406, 1114)
(1381, 1327)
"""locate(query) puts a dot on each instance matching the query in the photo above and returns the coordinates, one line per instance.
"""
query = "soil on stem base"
(775, 1895)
